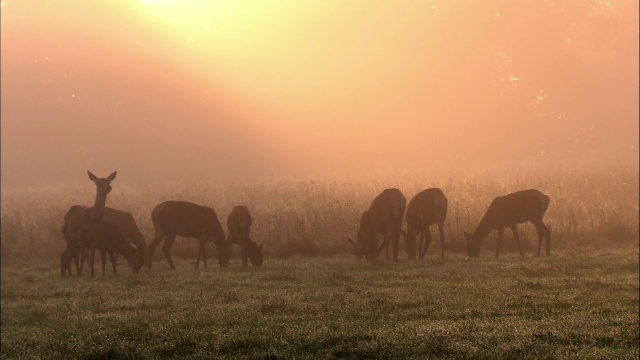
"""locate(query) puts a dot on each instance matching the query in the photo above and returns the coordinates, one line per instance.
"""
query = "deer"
(426, 208)
(239, 226)
(112, 242)
(509, 211)
(126, 226)
(186, 219)
(84, 227)
(384, 216)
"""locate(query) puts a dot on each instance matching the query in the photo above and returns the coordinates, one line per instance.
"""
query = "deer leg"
(396, 243)
(63, 264)
(83, 257)
(426, 233)
(410, 242)
(387, 240)
(103, 259)
(420, 243)
(76, 257)
(516, 237)
(166, 249)
(374, 250)
(202, 251)
(500, 233)
(244, 253)
(441, 231)
(548, 244)
(540, 235)
(543, 232)
(92, 254)
(113, 258)
(154, 244)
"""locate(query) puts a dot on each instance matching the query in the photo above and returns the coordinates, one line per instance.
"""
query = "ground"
(577, 303)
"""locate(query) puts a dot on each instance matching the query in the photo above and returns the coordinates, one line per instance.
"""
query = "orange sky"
(226, 89)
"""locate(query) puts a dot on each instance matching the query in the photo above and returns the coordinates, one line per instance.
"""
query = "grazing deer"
(509, 211)
(185, 219)
(84, 228)
(428, 207)
(239, 226)
(112, 242)
(126, 225)
(384, 216)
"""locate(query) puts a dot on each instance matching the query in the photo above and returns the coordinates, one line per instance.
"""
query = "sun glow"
(222, 33)
(204, 23)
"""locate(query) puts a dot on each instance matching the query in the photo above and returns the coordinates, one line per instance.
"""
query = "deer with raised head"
(185, 219)
(239, 226)
(384, 216)
(427, 208)
(84, 228)
(509, 211)
(126, 228)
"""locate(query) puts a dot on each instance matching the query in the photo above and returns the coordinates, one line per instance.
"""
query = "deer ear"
(351, 241)
(112, 176)
(91, 176)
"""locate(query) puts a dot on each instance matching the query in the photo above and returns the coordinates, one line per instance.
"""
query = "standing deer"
(384, 216)
(509, 211)
(239, 226)
(126, 226)
(84, 228)
(428, 207)
(185, 219)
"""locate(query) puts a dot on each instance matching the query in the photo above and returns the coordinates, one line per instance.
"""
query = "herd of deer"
(429, 207)
(113, 231)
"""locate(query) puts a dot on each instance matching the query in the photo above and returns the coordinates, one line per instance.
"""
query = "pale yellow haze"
(225, 90)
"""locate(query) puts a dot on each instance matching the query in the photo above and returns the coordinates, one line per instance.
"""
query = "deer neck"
(483, 229)
(98, 209)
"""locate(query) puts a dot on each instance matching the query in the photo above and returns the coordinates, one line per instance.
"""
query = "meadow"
(580, 303)
(312, 299)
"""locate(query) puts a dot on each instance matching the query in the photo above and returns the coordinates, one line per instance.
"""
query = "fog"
(228, 90)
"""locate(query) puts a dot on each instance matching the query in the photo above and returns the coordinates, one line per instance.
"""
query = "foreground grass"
(579, 303)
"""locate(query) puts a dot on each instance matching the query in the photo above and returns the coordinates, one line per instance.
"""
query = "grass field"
(311, 299)
(581, 302)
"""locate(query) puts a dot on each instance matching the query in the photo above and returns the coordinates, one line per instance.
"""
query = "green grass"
(578, 303)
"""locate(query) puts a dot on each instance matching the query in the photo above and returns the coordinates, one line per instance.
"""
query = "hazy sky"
(225, 89)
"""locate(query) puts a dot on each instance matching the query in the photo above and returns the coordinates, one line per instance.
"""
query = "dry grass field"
(311, 299)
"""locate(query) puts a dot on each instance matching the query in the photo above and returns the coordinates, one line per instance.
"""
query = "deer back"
(387, 210)
(517, 208)
(429, 205)
(187, 219)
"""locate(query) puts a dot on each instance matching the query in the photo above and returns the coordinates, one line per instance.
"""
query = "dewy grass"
(311, 299)
(570, 305)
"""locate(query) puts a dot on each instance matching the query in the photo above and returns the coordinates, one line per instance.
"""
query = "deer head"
(103, 185)
(358, 248)
(473, 245)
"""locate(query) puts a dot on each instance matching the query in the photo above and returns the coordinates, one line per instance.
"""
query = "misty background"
(231, 90)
